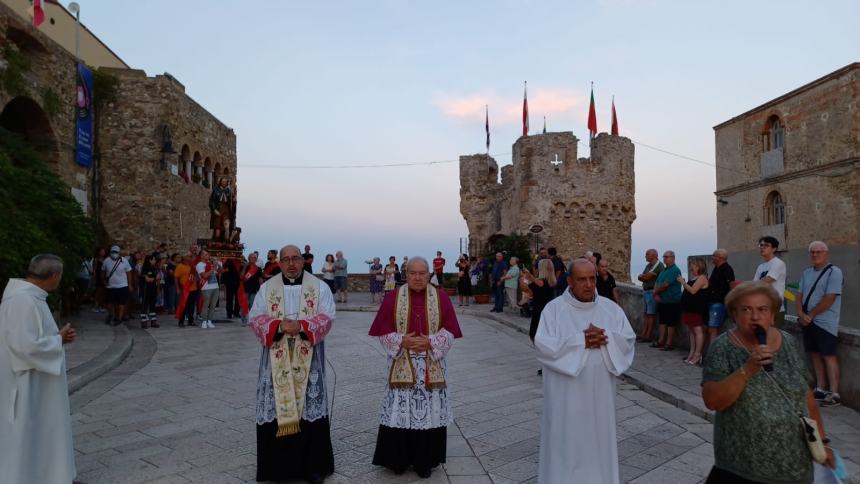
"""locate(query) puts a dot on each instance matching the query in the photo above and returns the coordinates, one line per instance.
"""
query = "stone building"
(157, 151)
(790, 168)
(581, 203)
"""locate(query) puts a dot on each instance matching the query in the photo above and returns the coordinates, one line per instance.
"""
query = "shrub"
(40, 216)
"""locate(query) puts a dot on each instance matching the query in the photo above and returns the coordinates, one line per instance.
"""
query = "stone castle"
(157, 151)
(582, 203)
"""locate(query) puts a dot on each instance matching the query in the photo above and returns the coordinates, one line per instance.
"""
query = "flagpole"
(75, 8)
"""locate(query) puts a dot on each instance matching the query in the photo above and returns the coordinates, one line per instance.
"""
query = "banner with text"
(84, 117)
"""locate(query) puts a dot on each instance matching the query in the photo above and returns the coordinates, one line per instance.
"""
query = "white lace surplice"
(316, 399)
(417, 408)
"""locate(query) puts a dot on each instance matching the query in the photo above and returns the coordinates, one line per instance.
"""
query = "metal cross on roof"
(556, 161)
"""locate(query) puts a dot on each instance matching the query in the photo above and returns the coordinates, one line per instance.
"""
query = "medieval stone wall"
(143, 201)
(51, 73)
(818, 183)
(145, 198)
(582, 203)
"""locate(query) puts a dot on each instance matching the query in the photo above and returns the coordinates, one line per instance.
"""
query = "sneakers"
(819, 394)
(206, 324)
(211, 324)
(831, 400)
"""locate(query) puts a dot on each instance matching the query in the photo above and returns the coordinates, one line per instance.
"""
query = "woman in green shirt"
(757, 433)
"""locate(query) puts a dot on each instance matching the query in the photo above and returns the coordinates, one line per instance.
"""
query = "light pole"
(76, 9)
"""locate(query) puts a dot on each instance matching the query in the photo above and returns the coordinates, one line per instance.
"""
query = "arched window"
(773, 135)
(777, 134)
(774, 209)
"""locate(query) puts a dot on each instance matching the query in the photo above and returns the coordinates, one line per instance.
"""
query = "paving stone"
(463, 466)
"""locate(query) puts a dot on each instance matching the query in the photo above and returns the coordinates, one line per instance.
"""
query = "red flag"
(525, 110)
(487, 127)
(614, 119)
(38, 13)
(592, 116)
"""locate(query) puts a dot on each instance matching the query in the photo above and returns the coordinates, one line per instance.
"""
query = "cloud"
(565, 103)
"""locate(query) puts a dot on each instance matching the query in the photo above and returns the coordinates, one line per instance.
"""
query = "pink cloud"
(508, 110)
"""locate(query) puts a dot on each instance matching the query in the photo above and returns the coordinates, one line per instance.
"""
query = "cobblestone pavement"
(180, 409)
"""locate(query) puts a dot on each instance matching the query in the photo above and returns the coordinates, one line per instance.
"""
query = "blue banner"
(84, 117)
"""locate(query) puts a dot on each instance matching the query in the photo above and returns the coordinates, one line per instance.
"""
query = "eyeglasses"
(293, 259)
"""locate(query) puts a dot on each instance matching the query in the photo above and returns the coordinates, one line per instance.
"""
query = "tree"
(39, 216)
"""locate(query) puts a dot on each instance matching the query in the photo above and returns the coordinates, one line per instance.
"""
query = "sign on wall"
(84, 117)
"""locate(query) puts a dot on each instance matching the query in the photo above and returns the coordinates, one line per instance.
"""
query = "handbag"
(809, 425)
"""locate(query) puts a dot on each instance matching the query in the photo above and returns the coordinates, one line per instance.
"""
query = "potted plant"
(481, 291)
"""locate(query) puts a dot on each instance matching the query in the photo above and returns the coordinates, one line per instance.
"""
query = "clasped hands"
(289, 326)
(415, 342)
(804, 319)
(595, 337)
(68, 334)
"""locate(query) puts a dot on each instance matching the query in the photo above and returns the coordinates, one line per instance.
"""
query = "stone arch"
(216, 173)
(208, 177)
(185, 163)
(26, 117)
(773, 133)
(197, 162)
(774, 209)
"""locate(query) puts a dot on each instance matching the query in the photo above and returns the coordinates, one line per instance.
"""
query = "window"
(777, 136)
(773, 135)
(774, 209)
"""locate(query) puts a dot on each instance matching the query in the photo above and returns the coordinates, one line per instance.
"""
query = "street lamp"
(76, 9)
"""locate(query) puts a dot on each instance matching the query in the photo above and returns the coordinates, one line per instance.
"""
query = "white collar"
(568, 296)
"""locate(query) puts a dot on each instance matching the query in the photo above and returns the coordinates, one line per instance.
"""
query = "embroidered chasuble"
(36, 427)
(291, 381)
(578, 440)
(416, 396)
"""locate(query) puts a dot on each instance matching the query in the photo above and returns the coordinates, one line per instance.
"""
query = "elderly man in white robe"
(36, 427)
(291, 316)
(584, 341)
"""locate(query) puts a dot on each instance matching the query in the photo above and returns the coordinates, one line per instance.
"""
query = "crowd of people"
(768, 427)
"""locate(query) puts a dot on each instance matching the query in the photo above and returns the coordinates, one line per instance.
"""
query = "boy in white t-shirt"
(116, 274)
(772, 271)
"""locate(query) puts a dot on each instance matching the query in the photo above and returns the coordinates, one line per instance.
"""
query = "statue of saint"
(222, 203)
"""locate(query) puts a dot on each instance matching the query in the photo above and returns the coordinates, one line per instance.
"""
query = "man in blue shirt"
(499, 271)
(667, 293)
(818, 306)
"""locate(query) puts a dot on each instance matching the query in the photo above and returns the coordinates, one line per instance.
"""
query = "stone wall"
(52, 70)
(819, 183)
(582, 203)
(145, 199)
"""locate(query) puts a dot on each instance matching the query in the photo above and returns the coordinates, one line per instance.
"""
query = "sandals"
(667, 348)
(656, 344)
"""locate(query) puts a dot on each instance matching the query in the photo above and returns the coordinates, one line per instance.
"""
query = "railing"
(772, 163)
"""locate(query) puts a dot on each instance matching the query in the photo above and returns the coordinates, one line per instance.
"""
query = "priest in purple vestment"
(416, 326)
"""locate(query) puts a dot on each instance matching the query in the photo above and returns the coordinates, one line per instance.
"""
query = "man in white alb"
(584, 341)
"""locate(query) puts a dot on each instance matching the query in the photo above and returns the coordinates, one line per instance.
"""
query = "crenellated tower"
(582, 203)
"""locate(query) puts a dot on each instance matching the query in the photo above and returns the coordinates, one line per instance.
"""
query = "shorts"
(650, 303)
(716, 315)
(340, 282)
(692, 320)
(818, 340)
(670, 313)
(117, 295)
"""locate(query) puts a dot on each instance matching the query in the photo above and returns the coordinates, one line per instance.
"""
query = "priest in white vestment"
(36, 426)
(291, 316)
(584, 341)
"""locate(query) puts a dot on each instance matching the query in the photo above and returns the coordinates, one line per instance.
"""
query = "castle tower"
(583, 204)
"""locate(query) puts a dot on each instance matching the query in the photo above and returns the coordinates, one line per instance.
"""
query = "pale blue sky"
(347, 83)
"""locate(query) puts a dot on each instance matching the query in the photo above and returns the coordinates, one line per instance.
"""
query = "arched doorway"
(24, 116)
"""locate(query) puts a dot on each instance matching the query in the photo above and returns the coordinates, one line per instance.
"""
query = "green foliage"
(513, 245)
(12, 76)
(105, 87)
(39, 215)
(51, 102)
(449, 280)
